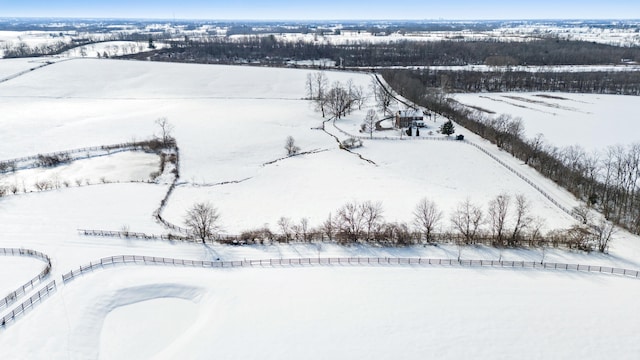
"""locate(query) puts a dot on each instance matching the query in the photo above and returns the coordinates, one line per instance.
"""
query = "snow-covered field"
(16, 271)
(12, 67)
(110, 48)
(590, 120)
(107, 169)
(333, 312)
(33, 38)
(229, 122)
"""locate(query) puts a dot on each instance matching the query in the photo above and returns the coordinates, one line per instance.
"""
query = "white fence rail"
(28, 304)
(151, 260)
(134, 235)
(21, 291)
(337, 261)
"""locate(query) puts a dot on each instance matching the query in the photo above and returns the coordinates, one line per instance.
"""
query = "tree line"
(506, 221)
(271, 50)
(607, 181)
(597, 82)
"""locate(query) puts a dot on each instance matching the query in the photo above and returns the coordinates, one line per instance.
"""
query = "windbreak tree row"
(506, 221)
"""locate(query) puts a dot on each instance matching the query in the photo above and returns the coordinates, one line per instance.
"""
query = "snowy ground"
(16, 271)
(31, 38)
(229, 121)
(14, 66)
(333, 312)
(531, 68)
(119, 167)
(565, 119)
(110, 49)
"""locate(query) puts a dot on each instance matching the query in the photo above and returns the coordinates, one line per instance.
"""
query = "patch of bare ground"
(481, 109)
(541, 103)
(546, 96)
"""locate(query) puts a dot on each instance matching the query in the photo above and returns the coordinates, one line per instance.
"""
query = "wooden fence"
(363, 261)
(317, 261)
(163, 203)
(21, 291)
(134, 235)
(28, 304)
(29, 162)
(414, 238)
(514, 171)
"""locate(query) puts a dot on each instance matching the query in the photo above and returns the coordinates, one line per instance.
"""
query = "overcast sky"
(325, 9)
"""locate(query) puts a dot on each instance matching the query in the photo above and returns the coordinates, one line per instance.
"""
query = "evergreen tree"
(447, 128)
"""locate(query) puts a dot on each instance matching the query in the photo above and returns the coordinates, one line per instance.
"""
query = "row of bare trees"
(600, 82)
(506, 221)
(273, 51)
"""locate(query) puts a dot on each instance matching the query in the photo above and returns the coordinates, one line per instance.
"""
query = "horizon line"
(306, 20)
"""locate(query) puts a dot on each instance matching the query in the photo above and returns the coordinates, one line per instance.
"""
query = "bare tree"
(522, 218)
(497, 212)
(340, 100)
(318, 85)
(536, 144)
(349, 221)
(284, 223)
(426, 217)
(301, 230)
(166, 131)
(328, 227)
(202, 220)
(304, 229)
(125, 230)
(535, 229)
(371, 214)
(290, 146)
(583, 214)
(356, 94)
(322, 105)
(309, 86)
(369, 123)
(382, 96)
(466, 219)
(603, 230)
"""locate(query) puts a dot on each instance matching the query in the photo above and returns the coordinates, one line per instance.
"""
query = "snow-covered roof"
(410, 113)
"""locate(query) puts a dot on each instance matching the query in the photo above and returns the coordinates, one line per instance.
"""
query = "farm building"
(406, 118)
